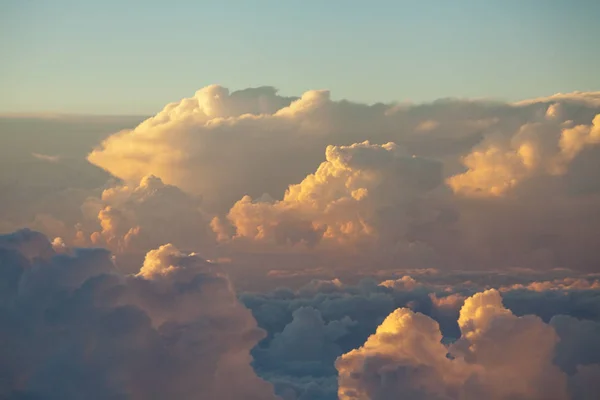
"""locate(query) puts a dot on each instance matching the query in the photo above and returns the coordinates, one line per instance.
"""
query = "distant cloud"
(45, 157)
(426, 126)
(247, 153)
(591, 99)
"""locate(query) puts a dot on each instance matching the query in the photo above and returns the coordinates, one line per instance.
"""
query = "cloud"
(362, 197)
(405, 357)
(490, 165)
(191, 136)
(256, 158)
(87, 322)
(406, 282)
(591, 99)
(305, 348)
(131, 219)
(542, 148)
(74, 327)
(439, 295)
(46, 157)
(558, 284)
(220, 144)
(358, 210)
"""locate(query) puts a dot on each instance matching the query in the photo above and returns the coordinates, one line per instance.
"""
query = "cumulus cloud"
(405, 357)
(74, 327)
(299, 360)
(541, 148)
(198, 140)
(134, 218)
(439, 295)
(352, 198)
(404, 283)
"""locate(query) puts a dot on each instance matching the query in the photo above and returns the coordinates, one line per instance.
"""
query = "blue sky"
(132, 57)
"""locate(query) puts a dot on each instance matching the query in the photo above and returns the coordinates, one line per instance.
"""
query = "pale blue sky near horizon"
(133, 57)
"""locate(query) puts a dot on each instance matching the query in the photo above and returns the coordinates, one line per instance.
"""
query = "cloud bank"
(443, 183)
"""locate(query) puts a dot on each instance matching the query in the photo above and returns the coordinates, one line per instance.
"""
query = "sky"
(115, 57)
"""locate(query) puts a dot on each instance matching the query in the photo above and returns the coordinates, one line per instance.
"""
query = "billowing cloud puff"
(137, 217)
(201, 144)
(447, 303)
(404, 283)
(405, 357)
(542, 148)
(304, 351)
(73, 327)
(360, 194)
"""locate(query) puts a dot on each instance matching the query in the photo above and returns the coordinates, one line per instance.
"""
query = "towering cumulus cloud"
(195, 143)
(73, 327)
(361, 192)
(498, 356)
(439, 183)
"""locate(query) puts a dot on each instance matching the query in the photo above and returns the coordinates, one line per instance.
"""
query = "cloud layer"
(77, 326)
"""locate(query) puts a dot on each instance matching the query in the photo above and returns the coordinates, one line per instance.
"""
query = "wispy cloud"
(46, 157)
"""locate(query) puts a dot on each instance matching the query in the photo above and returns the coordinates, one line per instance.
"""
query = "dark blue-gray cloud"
(72, 326)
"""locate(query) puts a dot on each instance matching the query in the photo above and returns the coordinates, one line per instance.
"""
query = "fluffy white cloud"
(361, 195)
(216, 144)
(405, 357)
(501, 164)
(74, 327)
